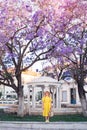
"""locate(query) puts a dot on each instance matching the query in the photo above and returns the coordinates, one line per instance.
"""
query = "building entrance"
(73, 95)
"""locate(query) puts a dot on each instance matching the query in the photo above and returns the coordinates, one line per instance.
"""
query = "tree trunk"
(84, 106)
(21, 103)
(82, 97)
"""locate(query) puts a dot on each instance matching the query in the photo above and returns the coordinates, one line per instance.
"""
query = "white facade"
(69, 93)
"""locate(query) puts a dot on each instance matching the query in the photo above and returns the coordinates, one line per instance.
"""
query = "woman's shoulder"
(43, 98)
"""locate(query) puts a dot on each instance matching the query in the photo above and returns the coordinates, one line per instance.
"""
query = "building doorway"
(73, 95)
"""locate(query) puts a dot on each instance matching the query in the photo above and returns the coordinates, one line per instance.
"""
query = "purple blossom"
(33, 0)
(79, 51)
(41, 32)
(35, 18)
(30, 36)
(3, 38)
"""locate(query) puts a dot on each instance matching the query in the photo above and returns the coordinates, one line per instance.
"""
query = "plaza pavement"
(6, 125)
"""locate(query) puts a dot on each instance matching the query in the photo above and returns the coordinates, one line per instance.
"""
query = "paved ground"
(43, 126)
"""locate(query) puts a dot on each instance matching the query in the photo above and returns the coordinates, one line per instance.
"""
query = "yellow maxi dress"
(46, 100)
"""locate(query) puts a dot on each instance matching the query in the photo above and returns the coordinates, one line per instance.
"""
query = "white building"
(64, 92)
(68, 92)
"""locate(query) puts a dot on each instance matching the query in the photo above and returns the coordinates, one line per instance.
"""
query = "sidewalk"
(42, 125)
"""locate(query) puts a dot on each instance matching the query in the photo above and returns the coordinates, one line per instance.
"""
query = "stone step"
(43, 126)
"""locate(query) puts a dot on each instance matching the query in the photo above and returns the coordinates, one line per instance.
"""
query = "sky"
(37, 66)
(40, 65)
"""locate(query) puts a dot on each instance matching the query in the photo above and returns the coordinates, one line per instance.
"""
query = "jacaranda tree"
(22, 43)
(68, 32)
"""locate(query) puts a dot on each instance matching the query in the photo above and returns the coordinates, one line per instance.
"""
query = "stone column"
(42, 91)
(57, 99)
(53, 97)
(33, 97)
(28, 104)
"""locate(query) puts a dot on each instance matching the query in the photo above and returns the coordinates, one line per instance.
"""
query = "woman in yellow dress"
(46, 105)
